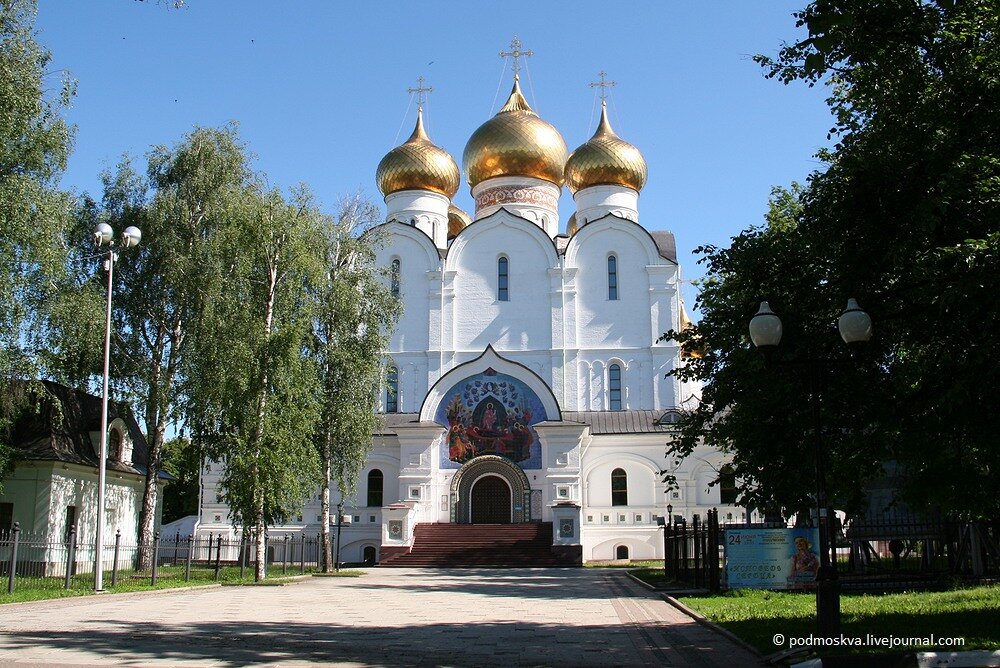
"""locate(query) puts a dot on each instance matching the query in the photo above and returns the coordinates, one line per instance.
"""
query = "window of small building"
(503, 279)
(70, 520)
(394, 278)
(375, 480)
(612, 278)
(615, 387)
(391, 389)
(6, 516)
(619, 488)
(115, 445)
(621, 552)
(727, 485)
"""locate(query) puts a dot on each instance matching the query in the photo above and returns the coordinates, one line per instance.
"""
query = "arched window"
(391, 389)
(503, 280)
(115, 445)
(619, 488)
(621, 552)
(394, 278)
(727, 485)
(375, 480)
(612, 278)
(615, 387)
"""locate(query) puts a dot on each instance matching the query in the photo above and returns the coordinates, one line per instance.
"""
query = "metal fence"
(36, 561)
(871, 555)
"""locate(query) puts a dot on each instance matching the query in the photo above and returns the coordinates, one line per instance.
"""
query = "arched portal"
(480, 479)
(490, 501)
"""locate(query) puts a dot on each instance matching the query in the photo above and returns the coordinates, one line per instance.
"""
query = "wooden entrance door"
(491, 502)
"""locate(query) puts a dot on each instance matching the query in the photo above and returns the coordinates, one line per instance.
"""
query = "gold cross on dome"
(603, 84)
(516, 53)
(421, 91)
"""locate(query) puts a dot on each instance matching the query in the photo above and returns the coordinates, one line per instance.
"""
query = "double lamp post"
(855, 327)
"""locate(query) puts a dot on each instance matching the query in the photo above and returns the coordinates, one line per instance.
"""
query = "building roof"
(600, 422)
(59, 424)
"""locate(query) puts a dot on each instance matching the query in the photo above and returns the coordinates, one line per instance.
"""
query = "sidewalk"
(571, 617)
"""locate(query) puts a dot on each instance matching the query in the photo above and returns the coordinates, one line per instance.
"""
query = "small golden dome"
(605, 159)
(515, 142)
(571, 225)
(418, 165)
(458, 220)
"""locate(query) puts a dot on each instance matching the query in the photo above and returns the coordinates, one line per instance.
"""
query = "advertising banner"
(772, 558)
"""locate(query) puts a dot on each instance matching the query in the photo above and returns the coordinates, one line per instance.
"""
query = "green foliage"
(252, 393)
(904, 218)
(34, 144)
(355, 316)
(181, 459)
(755, 616)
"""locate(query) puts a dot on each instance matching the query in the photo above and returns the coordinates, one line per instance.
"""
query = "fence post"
(284, 556)
(177, 546)
(713, 541)
(697, 549)
(70, 539)
(243, 555)
(114, 566)
(187, 566)
(218, 558)
(156, 557)
(302, 554)
(12, 572)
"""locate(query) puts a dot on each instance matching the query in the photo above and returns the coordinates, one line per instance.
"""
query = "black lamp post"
(855, 327)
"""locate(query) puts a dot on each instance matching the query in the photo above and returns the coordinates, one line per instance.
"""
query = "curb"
(62, 601)
(707, 623)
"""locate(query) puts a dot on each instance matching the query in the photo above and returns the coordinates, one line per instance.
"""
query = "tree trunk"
(325, 505)
(260, 541)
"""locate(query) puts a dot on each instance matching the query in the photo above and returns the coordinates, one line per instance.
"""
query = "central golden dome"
(418, 165)
(515, 142)
(605, 159)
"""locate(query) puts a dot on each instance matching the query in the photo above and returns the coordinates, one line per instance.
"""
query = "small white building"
(525, 379)
(53, 486)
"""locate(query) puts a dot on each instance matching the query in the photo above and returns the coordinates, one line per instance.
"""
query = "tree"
(355, 315)
(181, 204)
(183, 460)
(252, 391)
(34, 144)
(905, 218)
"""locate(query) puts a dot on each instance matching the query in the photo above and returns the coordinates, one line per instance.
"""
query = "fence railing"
(38, 562)
(870, 555)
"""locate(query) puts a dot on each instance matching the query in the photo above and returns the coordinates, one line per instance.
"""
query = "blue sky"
(319, 89)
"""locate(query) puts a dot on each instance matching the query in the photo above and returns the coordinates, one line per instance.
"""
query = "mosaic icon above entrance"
(491, 413)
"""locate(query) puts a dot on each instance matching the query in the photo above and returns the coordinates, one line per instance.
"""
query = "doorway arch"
(483, 468)
(490, 501)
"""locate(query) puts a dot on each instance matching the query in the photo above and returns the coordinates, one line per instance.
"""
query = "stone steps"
(480, 545)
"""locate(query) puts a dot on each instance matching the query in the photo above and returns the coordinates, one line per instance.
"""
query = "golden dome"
(571, 225)
(605, 159)
(418, 165)
(515, 142)
(458, 220)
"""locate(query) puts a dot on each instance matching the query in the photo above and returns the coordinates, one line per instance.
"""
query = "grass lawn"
(755, 616)
(168, 577)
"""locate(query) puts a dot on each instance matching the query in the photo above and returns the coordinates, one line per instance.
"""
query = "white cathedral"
(526, 383)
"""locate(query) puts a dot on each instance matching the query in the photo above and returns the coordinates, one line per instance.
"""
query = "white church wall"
(417, 256)
(480, 318)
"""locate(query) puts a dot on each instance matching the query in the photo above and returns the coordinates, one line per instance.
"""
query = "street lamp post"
(855, 327)
(104, 235)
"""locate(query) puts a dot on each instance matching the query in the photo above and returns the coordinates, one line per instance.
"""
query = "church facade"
(525, 379)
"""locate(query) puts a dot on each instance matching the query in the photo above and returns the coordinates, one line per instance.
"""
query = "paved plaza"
(389, 617)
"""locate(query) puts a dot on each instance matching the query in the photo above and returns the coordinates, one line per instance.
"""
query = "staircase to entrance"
(480, 545)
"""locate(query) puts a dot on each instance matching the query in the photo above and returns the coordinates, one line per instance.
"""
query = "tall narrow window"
(619, 488)
(612, 278)
(391, 389)
(115, 445)
(70, 520)
(6, 516)
(394, 278)
(503, 277)
(375, 488)
(614, 387)
(727, 485)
